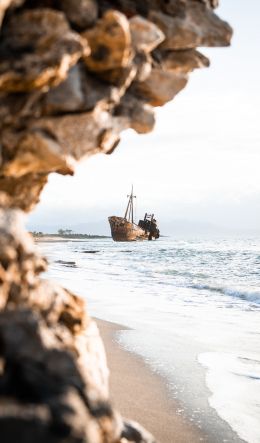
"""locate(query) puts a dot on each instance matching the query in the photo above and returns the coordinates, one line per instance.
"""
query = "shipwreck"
(125, 229)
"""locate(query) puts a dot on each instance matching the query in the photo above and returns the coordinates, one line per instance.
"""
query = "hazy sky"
(200, 164)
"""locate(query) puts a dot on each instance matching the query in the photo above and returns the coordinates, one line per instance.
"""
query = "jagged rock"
(68, 96)
(110, 43)
(160, 87)
(53, 144)
(82, 91)
(28, 423)
(82, 13)
(38, 50)
(145, 35)
(199, 26)
(38, 153)
(98, 93)
(15, 109)
(42, 372)
(182, 61)
(120, 77)
(19, 261)
(141, 115)
(28, 29)
(143, 63)
(72, 132)
(21, 192)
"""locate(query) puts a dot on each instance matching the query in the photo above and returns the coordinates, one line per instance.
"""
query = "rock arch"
(73, 76)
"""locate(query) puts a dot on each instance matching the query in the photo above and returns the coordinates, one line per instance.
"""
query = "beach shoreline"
(50, 239)
(179, 326)
(142, 395)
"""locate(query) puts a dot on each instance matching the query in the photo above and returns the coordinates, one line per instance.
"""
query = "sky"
(198, 169)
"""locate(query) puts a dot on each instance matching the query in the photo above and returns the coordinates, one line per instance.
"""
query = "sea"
(192, 308)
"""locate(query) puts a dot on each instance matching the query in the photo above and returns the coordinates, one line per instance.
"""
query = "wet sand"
(142, 395)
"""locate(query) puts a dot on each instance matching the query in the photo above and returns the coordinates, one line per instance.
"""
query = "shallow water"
(194, 306)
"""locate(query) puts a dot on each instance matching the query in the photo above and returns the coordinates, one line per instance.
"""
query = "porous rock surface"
(73, 76)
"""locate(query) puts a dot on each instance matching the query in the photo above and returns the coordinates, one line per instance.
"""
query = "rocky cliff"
(73, 76)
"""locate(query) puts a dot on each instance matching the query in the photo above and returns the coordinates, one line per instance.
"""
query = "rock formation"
(73, 76)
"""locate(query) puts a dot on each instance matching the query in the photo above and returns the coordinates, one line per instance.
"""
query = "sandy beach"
(142, 395)
(50, 239)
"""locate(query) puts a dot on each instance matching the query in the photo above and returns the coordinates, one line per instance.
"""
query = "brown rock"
(143, 63)
(211, 3)
(145, 35)
(199, 26)
(81, 91)
(39, 50)
(141, 116)
(120, 77)
(110, 43)
(160, 87)
(38, 153)
(98, 93)
(173, 7)
(22, 192)
(16, 108)
(65, 411)
(182, 60)
(66, 308)
(20, 263)
(67, 96)
(29, 28)
(82, 13)
(178, 7)
(72, 132)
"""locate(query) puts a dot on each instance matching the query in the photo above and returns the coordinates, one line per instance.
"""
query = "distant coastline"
(65, 236)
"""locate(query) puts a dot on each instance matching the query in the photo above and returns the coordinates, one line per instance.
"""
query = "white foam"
(235, 385)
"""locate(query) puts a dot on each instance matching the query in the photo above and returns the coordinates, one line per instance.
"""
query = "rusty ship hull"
(124, 230)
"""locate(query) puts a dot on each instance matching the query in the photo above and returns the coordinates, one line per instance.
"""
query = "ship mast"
(129, 213)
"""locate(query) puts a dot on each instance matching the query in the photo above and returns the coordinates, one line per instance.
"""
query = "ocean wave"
(180, 273)
(251, 296)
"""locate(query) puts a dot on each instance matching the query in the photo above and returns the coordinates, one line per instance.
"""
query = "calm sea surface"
(194, 310)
